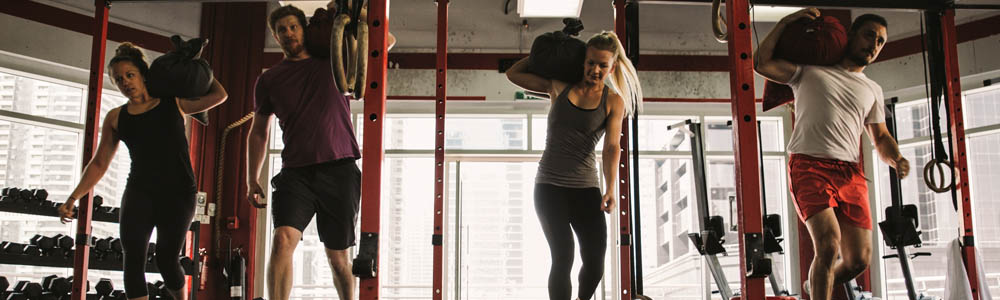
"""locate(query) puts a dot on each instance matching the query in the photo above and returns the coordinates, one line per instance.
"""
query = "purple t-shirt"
(313, 114)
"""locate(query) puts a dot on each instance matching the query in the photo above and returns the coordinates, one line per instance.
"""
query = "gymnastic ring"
(362, 61)
(336, 47)
(352, 59)
(936, 164)
(719, 23)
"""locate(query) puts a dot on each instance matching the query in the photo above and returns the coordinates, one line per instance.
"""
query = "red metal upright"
(371, 176)
(81, 256)
(624, 198)
(953, 92)
(437, 240)
(745, 147)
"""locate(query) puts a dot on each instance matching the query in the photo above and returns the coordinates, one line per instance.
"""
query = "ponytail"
(624, 79)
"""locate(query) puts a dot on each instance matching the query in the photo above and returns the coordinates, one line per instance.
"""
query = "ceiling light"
(763, 13)
(549, 8)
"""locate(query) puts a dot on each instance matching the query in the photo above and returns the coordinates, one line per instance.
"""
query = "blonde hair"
(625, 80)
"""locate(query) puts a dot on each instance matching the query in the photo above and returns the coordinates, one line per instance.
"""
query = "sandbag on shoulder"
(806, 42)
(317, 33)
(182, 73)
(558, 54)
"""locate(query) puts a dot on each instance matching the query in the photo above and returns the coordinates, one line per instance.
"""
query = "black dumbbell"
(29, 290)
(43, 242)
(26, 196)
(14, 248)
(14, 194)
(104, 287)
(32, 250)
(152, 290)
(104, 244)
(97, 202)
(117, 295)
(41, 195)
(161, 290)
(116, 245)
(63, 241)
(56, 285)
(4, 284)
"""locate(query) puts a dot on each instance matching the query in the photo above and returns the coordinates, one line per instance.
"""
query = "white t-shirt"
(832, 107)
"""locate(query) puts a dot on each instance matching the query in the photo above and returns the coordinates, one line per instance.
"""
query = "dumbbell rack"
(95, 264)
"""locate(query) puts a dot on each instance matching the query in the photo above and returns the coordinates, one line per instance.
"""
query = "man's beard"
(293, 50)
(861, 61)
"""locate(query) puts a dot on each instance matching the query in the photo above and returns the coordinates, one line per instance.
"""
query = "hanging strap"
(934, 64)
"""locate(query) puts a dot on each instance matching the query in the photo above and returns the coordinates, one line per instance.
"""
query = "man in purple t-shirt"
(318, 173)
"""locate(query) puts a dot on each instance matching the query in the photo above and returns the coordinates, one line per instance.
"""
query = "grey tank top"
(569, 159)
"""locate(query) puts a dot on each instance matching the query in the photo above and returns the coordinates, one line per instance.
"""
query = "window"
(937, 216)
(46, 152)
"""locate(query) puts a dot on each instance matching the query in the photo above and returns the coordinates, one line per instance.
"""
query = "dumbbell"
(32, 250)
(56, 285)
(161, 290)
(104, 288)
(26, 290)
(13, 194)
(41, 195)
(97, 202)
(63, 241)
(43, 242)
(26, 196)
(117, 295)
(5, 195)
(14, 248)
(4, 284)
(152, 290)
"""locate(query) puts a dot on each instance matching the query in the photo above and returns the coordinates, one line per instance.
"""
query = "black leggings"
(171, 215)
(558, 210)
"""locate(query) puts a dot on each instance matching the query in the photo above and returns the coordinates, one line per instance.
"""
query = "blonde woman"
(568, 197)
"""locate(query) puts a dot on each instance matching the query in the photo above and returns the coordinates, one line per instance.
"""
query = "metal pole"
(81, 257)
(895, 189)
(437, 240)
(953, 94)
(371, 177)
(624, 215)
(753, 265)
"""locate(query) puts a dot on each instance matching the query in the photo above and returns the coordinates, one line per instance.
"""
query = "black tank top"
(158, 148)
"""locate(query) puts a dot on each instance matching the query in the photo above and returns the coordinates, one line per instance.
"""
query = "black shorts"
(331, 191)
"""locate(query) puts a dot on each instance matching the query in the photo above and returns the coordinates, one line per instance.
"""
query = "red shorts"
(819, 183)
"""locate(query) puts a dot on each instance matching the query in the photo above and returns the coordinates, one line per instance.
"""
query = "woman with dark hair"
(160, 192)
(568, 197)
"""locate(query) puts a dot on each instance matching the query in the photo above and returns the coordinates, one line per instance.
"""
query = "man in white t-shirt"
(833, 106)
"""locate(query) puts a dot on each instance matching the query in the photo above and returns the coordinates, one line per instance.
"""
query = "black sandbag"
(182, 73)
(317, 33)
(558, 54)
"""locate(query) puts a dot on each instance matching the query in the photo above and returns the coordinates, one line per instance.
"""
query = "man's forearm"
(888, 150)
(255, 156)
(765, 52)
